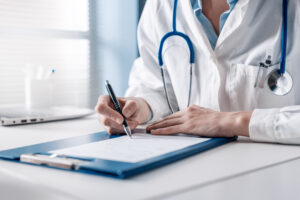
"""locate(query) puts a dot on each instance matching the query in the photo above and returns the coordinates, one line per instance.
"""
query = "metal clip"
(53, 160)
(264, 75)
(260, 78)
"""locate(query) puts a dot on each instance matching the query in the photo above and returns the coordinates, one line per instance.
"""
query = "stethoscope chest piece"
(280, 84)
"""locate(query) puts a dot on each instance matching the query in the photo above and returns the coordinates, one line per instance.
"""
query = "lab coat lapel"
(233, 22)
(196, 29)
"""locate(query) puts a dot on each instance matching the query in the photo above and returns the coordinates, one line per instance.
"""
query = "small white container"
(38, 93)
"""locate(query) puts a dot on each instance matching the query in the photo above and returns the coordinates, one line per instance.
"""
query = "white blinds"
(49, 33)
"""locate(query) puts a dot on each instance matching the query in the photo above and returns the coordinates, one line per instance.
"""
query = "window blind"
(48, 33)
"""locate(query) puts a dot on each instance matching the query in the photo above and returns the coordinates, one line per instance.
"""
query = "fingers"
(184, 112)
(113, 127)
(172, 124)
(122, 101)
(104, 108)
(129, 108)
(110, 113)
(168, 130)
(165, 123)
(102, 100)
(174, 115)
(112, 120)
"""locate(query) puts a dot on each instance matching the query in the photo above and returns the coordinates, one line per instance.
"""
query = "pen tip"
(128, 132)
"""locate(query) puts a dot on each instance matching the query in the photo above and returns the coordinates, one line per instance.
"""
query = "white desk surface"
(275, 183)
(203, 169)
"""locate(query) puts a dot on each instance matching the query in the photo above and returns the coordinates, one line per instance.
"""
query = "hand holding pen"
(117, 106)
(135, 110)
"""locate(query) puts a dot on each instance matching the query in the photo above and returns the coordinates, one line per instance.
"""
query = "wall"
(113, 24)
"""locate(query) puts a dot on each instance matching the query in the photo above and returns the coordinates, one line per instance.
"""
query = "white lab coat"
(223, 78)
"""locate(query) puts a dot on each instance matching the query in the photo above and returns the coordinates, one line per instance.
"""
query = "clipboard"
(39, 154)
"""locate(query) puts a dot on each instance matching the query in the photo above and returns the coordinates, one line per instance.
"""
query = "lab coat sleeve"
(276, 125)
(145, 78)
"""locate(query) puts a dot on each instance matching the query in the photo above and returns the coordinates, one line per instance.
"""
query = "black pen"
(116, 103)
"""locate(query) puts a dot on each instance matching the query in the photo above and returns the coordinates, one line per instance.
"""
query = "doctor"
(229, 87)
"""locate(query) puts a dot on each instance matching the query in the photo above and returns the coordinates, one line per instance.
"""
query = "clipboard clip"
(52, 160)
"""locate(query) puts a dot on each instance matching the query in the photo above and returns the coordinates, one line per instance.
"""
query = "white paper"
(140, 147)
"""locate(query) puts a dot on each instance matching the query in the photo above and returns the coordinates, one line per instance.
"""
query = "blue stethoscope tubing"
(284, 36)
(280, 82)
(174, 32)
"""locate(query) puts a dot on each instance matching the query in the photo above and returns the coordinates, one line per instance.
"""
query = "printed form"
(140, 147)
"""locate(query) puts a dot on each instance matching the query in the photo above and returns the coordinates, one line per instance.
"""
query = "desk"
(276, 182)
(206, 168)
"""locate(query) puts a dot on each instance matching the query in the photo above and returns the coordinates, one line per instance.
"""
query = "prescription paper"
(140, 147)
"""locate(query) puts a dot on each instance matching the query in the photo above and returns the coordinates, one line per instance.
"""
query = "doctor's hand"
(136, 111)
(203, 122)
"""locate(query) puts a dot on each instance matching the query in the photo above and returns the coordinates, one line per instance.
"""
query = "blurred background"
(85, 41)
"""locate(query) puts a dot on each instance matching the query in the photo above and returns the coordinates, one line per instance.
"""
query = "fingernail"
(120, 121)
(153, 132)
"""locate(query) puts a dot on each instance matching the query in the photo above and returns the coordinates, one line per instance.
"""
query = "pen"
(117, 107)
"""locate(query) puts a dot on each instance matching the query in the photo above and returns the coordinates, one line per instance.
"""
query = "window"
(49, 33)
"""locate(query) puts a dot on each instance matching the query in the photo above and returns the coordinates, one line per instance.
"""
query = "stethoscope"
(279, 81)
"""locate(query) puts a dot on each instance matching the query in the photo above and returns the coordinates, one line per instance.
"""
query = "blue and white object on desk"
(39, 86)
(112, 165)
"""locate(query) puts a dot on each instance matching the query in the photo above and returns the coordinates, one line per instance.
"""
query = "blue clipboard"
(38, 154)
